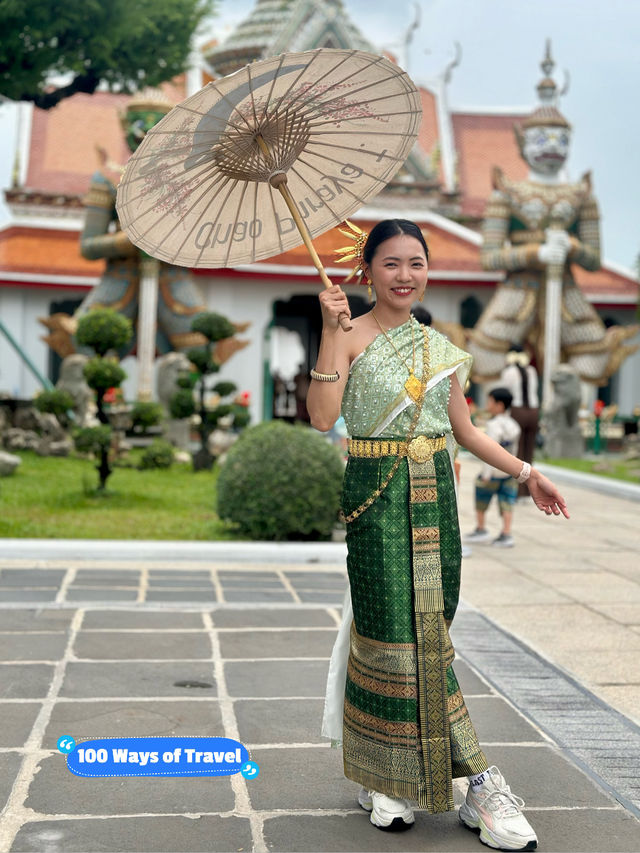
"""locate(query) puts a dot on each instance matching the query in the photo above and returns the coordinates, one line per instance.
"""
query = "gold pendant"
(413, 387)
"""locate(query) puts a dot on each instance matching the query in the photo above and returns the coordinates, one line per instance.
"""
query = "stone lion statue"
(563, 437)
(169, 369)
(72, 380)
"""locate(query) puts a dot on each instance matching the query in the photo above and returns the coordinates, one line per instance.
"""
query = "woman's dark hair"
(391, 228)
(422, 315)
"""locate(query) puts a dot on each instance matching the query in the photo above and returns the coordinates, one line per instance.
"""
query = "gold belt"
(420, 449)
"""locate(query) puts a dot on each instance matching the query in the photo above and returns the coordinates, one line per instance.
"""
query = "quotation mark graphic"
(66, 744)
(249, 770)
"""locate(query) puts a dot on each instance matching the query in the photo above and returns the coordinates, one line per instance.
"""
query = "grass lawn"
(49, 497)
(604, 466)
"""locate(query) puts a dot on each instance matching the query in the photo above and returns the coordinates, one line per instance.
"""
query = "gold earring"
(423, 293)
(369, 291)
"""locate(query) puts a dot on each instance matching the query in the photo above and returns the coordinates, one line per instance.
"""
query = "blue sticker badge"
(158, 756)
(249, 770)
(66, 744)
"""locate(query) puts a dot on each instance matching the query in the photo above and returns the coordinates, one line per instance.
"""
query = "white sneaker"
(495, 811)
(478, 536)
(505, 540)
(386, 812)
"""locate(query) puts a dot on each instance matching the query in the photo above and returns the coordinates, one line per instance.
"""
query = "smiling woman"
(392, 696)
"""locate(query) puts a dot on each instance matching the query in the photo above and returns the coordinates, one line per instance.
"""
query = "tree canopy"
(124, 43)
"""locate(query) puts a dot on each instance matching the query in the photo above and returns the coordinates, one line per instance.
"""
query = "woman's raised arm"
(325, 397)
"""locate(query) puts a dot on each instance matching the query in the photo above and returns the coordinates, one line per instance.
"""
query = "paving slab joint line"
(568, 751)
(16, 813)
(230, 727)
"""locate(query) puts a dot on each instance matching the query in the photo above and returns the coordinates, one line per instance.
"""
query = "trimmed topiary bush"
(146, 414)
(281, 481)
(94, 439)
(182, 404)
(103, 373)
(55, 401)
(103, 329)
(159, 454)
(213, 326)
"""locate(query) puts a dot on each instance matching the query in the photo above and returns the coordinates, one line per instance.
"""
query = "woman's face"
(398, 271)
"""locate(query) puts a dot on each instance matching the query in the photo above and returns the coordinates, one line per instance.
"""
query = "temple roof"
(42, 255)
(279, 26)
(482, 141)
(61, 157)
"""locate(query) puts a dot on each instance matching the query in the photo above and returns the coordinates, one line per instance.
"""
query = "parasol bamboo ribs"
(279, 181)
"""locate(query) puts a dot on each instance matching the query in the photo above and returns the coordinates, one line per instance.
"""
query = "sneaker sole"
(480, 828)
(398, 824)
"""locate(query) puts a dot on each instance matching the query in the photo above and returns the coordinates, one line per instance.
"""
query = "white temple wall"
(444, 300)
(19, 312)
(241, 300)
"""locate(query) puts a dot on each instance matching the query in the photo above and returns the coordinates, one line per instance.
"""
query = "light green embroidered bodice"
(375, 400)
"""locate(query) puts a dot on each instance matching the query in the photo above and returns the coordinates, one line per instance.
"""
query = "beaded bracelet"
(525, 473)
(324, 377)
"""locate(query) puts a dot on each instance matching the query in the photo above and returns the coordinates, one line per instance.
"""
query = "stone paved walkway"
(138, 640)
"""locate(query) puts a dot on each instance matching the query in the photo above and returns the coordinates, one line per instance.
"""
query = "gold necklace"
(412, 386)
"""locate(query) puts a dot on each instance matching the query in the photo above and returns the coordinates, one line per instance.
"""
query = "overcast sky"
(502, 41)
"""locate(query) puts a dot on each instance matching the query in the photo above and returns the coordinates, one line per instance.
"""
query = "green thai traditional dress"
(406, 731)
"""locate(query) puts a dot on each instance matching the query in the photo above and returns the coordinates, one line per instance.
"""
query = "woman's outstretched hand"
(546, 496)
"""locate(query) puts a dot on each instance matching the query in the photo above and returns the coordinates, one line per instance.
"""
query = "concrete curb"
(604, 485)
(242, 552)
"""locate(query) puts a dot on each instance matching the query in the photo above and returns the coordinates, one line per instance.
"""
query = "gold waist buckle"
(420, 449)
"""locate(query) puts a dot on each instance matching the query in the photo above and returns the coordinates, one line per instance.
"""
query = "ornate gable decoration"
(282, 26)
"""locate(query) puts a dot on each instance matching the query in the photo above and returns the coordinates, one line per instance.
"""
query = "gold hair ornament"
(353, 252)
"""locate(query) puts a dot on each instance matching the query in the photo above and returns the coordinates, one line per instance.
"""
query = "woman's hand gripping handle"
(335, 309)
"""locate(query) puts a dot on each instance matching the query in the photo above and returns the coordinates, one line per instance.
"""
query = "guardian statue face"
(546, 148)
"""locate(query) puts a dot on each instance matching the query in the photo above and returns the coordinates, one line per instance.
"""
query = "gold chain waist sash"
(420, 449)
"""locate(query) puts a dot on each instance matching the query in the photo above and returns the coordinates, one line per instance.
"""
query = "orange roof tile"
(63, 154)
(44, 251)
(606, 282)
(482, 142)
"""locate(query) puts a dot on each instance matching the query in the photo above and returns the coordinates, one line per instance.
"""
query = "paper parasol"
(268, 157)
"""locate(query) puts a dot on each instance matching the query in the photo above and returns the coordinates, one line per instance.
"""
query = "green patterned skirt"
(407, 732)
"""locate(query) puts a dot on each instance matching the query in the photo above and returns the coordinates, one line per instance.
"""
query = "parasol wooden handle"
(279, 181)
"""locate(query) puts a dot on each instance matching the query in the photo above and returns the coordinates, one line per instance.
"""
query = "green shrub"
(159, 454)
(103, 373)
(103, 329)
(56, 402)
(146, 414)
(182, 404)
(213, 326)
(224, 389)
(221, 411)
(201, 359)
(187, 380)
(93, 439)
(241, 416)
(281, 481)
